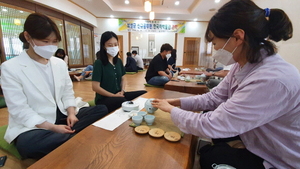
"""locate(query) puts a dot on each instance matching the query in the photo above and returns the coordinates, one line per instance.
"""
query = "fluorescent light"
(177, 2)
(111, 16)
(21, 11)
(217, 1)
(126, 1)
(141, 17)
(168, 18)
(147, 6)
(151, 15)
(4, 9)
(195, 19)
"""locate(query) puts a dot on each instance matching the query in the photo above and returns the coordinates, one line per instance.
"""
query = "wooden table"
(191, 72)
(186, 87)
(122, 148)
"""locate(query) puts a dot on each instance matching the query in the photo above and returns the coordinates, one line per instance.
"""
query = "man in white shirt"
(138, 59)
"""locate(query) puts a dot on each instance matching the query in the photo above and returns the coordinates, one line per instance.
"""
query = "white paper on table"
(118, 117)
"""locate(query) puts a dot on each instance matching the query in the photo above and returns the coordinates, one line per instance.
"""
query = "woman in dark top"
(108, 75)
(172, 61)
(130, 63)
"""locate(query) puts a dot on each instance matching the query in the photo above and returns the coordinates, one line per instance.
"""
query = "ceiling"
(187, 10)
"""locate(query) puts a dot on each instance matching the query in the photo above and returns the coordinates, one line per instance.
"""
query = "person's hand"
(62, 129)
(119, 94)
(162, 104)
(71, 120)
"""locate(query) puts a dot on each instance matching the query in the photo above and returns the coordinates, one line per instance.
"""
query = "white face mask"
(223, 56)
(168, 55)
(112, 51)
(44, 51)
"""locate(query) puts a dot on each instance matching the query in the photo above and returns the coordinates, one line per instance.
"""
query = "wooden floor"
(82, 89)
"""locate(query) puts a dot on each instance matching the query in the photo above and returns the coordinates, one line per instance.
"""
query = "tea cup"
(142, 113)
(137, 120)
(149, 119)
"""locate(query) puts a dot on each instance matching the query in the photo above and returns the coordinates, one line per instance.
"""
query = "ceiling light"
(217, 1)
(168, 18)
(4, 9)
(21, 11)
(141, 17)
(126, 1)
(147, 6)
(195, 19)
(111, 16)
(177, 2)
(151, 15)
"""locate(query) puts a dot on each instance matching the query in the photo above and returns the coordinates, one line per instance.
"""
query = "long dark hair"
(102, 54)
(39, 26)
(246, 15)
(174, 54)
(60, 51)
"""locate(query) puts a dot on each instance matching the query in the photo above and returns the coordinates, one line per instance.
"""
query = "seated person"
(108, 75)
(138, 59)
(41, 104)
(60, 53)
(158, 73)
(217, 67)
(130, 63)
(172, 61)
(221, 73)
(212, 81)
(88, 71)
(256, 101)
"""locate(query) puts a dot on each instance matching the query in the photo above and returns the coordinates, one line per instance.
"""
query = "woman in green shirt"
(108, 75)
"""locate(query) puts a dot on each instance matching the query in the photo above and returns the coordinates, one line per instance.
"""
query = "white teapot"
(148, 106)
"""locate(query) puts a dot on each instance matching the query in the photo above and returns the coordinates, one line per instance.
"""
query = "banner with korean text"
(151, 26)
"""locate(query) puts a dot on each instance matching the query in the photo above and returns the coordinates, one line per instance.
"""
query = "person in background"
(158, 73)
(108, 76)
(217, 66)
(172, 61)
(216, 77)
(87, 72)
(130, 64)
(256, 101)
(138, 59)
(39, 93)
(60, 53)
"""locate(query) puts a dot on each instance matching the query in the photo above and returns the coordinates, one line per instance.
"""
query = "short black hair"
(134, 52)
(128, 54)
(166, 47)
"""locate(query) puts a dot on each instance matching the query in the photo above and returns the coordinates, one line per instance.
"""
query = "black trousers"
(221, 154)
(113, 103)
(39, 142)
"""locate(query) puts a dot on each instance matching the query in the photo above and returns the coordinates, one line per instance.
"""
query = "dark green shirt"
(109, 76)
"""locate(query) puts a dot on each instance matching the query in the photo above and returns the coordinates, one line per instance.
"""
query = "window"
(87, 46)
(12, 22)
(73, 42)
